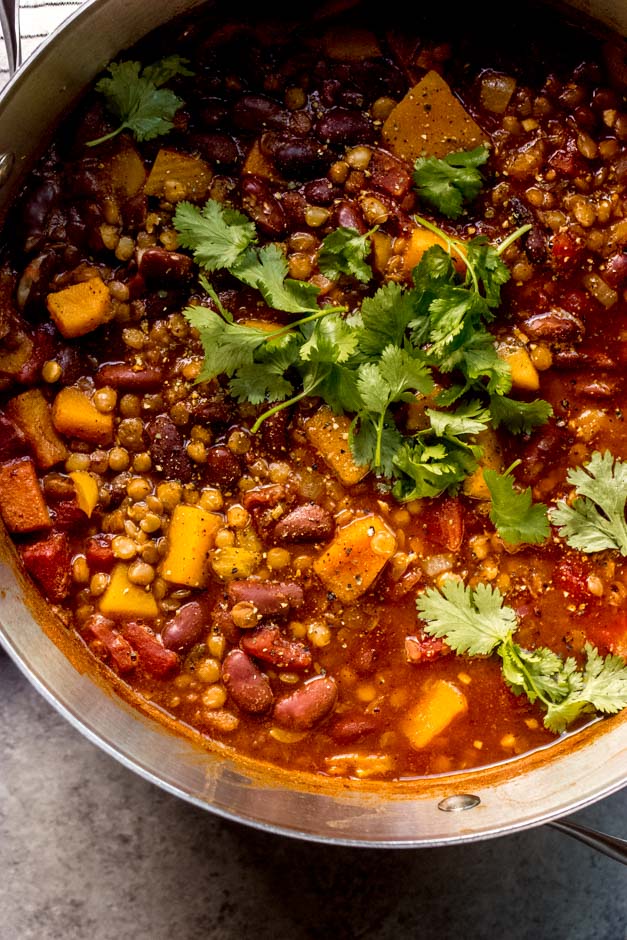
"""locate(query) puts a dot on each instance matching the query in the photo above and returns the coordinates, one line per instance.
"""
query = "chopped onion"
(496, 91)
(600, 290)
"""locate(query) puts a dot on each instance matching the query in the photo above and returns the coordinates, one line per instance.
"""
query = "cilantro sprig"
(135, 97)
(596, 519)
(516, 518)
(445, 183)
(384, 355)
(476, 621)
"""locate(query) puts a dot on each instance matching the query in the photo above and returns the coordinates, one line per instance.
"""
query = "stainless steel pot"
(576, 771)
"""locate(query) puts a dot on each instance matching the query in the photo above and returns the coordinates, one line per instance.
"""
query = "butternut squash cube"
(190, 539)
(125, 600)
(475, 485)
(75, 415)
(355, 557)
(524, 373)
(22, 503)
(86, 489)
(329, 435)
(258, 164)
(31, 412)
(80, 308)
(191, 175)
(430, 121)
(234, 562)
(438, 706)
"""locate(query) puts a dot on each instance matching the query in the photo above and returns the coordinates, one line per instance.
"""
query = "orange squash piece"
(80, 308)
(75, 415)
(438, 706)
(430, 121)
(191, 173)
(125, 600)
(191, 535)
(22, 503)
(355, 557)
(329, 435)
(31, 412)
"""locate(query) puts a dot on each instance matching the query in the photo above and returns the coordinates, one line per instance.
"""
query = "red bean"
(167, 449)
(389, 174)
(268, 644)
(557, 325)
(48, 561)
(153, 656)
(321, 192)
(261, 205)
(343, 127)
(220, 149)
(164, 267)
(274, 432)
(186, 627)
(296, 157)
(351, 727)
(104, 640)
(616, 270)
(256, 113)
(269, 597)
(307, 705)
(247, 685)
(307, 523)
(222, 468)
(124, 376)
(347, 215)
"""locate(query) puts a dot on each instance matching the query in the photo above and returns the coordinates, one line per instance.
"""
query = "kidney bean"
(351, 727)
(213, 112)
(268, 644)
(49, 562)
(307, 523)
(167, 449)
(35, 279)
(213, 411)
(268, 597)
(296, 157)
(185, 628)
(259, 202)
(222, 468)
(343, 127)
(295, 206)
(557, 325)
(153, 656)
(348, 215)
(120, 375)
(616, 270)
(37, 210)
(321, 192)
(163, 267)
(99, 553)
(69, 515)
(274, 432)
(256, 113)
(307, 705)
(104, 640)
(247, 685)
(12, 441)
(599, 388)
(221, 149)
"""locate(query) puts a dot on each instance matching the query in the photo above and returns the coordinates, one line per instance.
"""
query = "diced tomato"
(424, 649)
(48, 561)
(571, 576)
(566, 249)
(99, 553)
(444, 522)
(608, 633)
(104, 640)
(567, 162)
(153, 656)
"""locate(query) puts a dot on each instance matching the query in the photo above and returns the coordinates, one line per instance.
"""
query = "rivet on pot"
(458, 802)
(6, 165)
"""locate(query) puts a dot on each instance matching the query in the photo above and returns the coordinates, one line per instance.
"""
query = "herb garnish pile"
(396, 348)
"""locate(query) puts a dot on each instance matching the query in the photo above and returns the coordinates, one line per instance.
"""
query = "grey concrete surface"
(90, 851)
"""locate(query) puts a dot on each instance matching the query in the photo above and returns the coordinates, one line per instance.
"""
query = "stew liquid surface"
(260, 586)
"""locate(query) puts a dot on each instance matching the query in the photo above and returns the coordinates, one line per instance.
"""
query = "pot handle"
(611, 846)
(10, 22)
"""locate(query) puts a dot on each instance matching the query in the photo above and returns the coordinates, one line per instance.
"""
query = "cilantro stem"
(453, 246)
(284, 404)
(511, 238)
(110, 136)
(314, 316)
(509, 649)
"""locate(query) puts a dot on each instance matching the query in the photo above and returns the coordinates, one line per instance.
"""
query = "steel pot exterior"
(463, 807)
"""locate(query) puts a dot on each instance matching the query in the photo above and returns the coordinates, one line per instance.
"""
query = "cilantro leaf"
(484, 260)
(365, 437)
(445, 183)
(385, 318)
(227, 346)
(266, 269)
(264, 379)
(470, 418)
(596, 519)
(473, 621)
(514, 515)
(477, 622)
(519, 417)
(216, 234)
(136, 99)
(430, 467)
(344, 251)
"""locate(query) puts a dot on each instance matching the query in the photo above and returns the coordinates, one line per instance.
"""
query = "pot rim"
(528, 791)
